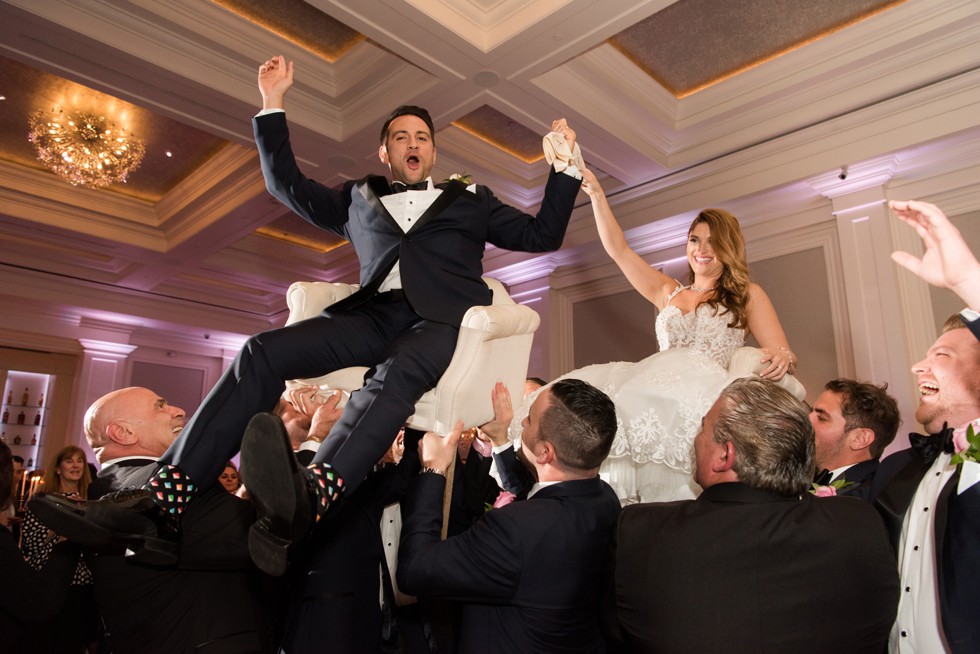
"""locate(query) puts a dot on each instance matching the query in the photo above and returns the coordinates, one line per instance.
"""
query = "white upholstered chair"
(494, 345)
(747, 361)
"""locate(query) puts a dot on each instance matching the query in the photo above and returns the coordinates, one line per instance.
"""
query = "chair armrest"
(500, 320)
(747, 361)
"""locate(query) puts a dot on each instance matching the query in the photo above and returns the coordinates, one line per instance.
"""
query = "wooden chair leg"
(447, 498)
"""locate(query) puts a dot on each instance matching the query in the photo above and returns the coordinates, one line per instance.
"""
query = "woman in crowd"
(76, 627)
(229, 478)
(660, 400)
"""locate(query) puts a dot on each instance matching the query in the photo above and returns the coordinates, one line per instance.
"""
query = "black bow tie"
(929, 447)
(401, 187)
(823, 477)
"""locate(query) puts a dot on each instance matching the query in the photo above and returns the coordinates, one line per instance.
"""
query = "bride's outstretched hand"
(590, 184)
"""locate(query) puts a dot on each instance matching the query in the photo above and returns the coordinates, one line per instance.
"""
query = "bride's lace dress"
(660, 402)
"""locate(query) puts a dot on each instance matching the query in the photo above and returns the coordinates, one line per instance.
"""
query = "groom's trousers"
(406, 355)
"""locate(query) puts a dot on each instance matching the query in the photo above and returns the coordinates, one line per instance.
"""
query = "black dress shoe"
(280, 490)
(125, 519)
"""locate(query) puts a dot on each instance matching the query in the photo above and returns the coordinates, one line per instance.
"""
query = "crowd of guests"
(341, 533)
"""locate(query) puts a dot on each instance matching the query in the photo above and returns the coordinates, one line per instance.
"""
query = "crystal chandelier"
(85, 149)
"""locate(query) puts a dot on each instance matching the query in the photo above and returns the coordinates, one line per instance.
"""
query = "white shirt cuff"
(266, 112)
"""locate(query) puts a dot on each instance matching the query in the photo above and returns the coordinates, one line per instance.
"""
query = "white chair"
(494, 345)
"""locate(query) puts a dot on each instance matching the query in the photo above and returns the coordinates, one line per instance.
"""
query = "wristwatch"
(437, 471)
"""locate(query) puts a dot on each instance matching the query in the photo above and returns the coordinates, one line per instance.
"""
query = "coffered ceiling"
(661, 93)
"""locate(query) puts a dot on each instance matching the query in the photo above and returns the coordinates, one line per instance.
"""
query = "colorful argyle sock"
(171, 489)
(327, 485)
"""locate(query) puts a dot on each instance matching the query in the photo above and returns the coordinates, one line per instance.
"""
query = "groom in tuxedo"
(420, 247)
(853, 423)
(932, 506)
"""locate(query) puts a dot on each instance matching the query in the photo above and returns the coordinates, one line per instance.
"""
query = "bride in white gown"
(660, 400)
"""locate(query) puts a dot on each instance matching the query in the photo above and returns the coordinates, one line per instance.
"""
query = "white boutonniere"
(457, 177)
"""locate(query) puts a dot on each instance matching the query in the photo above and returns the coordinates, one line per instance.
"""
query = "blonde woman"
(660, 400)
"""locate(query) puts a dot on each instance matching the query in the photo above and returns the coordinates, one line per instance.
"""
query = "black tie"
(929, 447)
(401, 187)
(823, 477)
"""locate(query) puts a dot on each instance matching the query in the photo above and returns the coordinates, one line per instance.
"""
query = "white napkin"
(558, 154)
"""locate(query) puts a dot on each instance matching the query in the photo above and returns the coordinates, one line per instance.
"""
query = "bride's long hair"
(732, 292)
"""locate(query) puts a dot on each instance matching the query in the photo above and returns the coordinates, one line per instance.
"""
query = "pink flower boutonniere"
(966, 443)
(831, 489)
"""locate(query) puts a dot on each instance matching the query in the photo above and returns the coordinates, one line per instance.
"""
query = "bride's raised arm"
(647, 280)
(764, 325)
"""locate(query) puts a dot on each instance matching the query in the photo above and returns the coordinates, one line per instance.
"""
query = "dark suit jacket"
(31, 596)
(448, 239)
(862, 475)
(526, 573)
(334, 589)
(209, 603)
(957, 537)
(744, 570)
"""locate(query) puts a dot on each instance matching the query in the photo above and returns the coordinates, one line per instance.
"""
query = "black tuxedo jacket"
(527, 573)
(862, 475)
(441, 256)
(210, 602)
(957, 538)
(744, 570)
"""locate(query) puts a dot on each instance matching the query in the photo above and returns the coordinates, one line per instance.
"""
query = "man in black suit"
(853, 422)
(421, 264)
(212, 599)
(931, 505)
(525, 573)
(756, 564)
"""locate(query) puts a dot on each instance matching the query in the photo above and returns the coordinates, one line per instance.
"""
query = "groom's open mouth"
(412, 161)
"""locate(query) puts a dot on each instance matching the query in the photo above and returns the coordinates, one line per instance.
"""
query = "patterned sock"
(326, 484)
(171, 489)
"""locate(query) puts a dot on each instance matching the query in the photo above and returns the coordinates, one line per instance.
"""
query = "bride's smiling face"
(701, 255)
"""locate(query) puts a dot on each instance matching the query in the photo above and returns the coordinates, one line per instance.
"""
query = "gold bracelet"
(437, 471)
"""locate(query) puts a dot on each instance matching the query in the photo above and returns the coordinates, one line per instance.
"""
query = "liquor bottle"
(6, 416)
(37, 418)
(24, 397)
(40, 400)
(20, 418)
(34, 440)
(30, 463)
(16, 440)
(10, 397)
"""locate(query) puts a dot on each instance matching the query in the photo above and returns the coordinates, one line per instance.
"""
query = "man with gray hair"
(756, 563)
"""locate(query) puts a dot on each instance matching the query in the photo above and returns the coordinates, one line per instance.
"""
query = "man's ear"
(726, 458)
(860, 438)
(383, 154)
(545, 453)
(120, 433)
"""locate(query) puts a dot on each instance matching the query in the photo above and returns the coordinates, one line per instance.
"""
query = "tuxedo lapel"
(897, 495)
(450, 191)
(373, 188)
